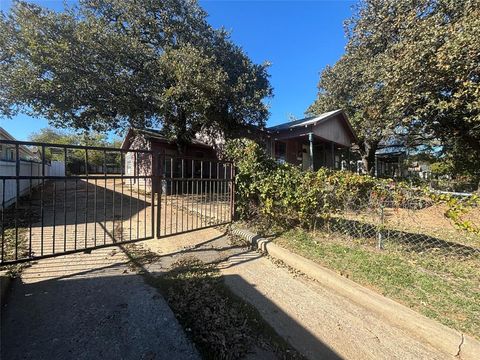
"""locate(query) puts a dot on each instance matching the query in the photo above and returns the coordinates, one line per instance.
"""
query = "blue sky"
(299, 38)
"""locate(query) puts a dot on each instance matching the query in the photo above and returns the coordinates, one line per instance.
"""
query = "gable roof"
(314, 120)
(305, 121)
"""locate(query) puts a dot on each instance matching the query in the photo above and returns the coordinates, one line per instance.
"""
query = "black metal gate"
(193, 194)
(58, 199)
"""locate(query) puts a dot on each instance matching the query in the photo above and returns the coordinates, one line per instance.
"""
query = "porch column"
(349, 167)
(332, 147)
(310, 140)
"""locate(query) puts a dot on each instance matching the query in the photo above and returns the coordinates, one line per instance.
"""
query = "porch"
(311, 152)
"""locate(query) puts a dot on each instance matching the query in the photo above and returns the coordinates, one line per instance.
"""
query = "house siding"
(141, 164)
(332, 130)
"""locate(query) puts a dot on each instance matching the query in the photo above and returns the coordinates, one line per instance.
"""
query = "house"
(8, 152)
(389, 158)
(138, 163)
(318, 141)
(323, 140)
(395, 159)
(29, 164)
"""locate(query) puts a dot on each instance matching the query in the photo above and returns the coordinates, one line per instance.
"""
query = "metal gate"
(59, 199)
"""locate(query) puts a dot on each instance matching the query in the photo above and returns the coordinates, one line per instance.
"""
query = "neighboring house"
(8, 152)
(140, 164)
(324, 140)
(394, 159)
(29, 164)
(390, 157)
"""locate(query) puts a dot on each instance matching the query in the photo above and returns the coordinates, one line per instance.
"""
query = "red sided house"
(153, 140)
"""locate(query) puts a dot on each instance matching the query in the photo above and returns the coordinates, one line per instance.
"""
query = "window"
(280, 151)
(12, 154)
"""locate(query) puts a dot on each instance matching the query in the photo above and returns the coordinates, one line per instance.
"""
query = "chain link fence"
(414, 246)
(411, 219)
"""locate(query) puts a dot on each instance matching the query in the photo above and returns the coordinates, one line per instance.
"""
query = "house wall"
(322, 153)
(141, 164)
(294, 152)
(332, 130)
(8, 152)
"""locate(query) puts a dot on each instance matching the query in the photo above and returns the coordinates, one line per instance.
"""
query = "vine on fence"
(284, 195)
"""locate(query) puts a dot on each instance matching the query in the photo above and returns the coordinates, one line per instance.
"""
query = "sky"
(299, 38)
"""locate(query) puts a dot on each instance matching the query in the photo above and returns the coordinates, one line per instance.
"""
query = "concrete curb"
(440, 336)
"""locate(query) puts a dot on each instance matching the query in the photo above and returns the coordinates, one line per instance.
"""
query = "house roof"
(391, 151)
(391, 146)
(157, 135)
(314, 120)
(7, 136)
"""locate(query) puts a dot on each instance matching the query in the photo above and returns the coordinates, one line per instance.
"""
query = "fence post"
(380, 228)
(157, 185)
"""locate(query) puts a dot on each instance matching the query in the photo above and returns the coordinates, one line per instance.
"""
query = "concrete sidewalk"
(318, 322)
(89, 306)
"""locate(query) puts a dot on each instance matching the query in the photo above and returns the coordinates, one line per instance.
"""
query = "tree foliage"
(413, 64)
(76, 157)
(109, 64)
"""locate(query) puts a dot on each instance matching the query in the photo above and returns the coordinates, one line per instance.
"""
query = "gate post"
(156, 190)
(233, 215)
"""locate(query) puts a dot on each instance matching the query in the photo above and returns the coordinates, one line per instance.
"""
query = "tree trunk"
(182, 134)
(368, 156)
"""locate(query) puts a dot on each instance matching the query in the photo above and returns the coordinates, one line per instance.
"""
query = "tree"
(76, 157)
(352, 85)
(357, 82)
(110, 64)
(413, 65)
(434, 76)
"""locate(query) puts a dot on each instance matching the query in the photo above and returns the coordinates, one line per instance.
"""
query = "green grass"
(444, 288)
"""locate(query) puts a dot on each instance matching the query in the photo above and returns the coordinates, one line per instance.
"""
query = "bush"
(283, 195)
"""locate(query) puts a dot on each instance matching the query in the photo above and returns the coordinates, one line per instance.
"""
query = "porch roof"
(312, 120)
(330, 126)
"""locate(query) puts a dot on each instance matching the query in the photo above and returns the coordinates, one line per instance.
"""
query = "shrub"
(283, 195)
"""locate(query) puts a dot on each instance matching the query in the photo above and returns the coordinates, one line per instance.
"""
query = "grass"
(221, 325)
(444, 288)
(11, 247)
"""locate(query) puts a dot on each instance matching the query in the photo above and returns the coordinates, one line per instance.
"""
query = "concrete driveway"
(89, 306)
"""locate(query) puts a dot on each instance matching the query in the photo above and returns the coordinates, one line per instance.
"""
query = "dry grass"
(429, 221)
(445, 288)
(221, 325)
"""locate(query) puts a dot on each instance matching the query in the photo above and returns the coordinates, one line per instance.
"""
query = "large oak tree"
(413, 65)
(109, 64)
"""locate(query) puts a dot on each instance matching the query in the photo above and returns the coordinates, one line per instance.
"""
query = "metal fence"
(154, 195)
(194, 193)
(407, 219)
